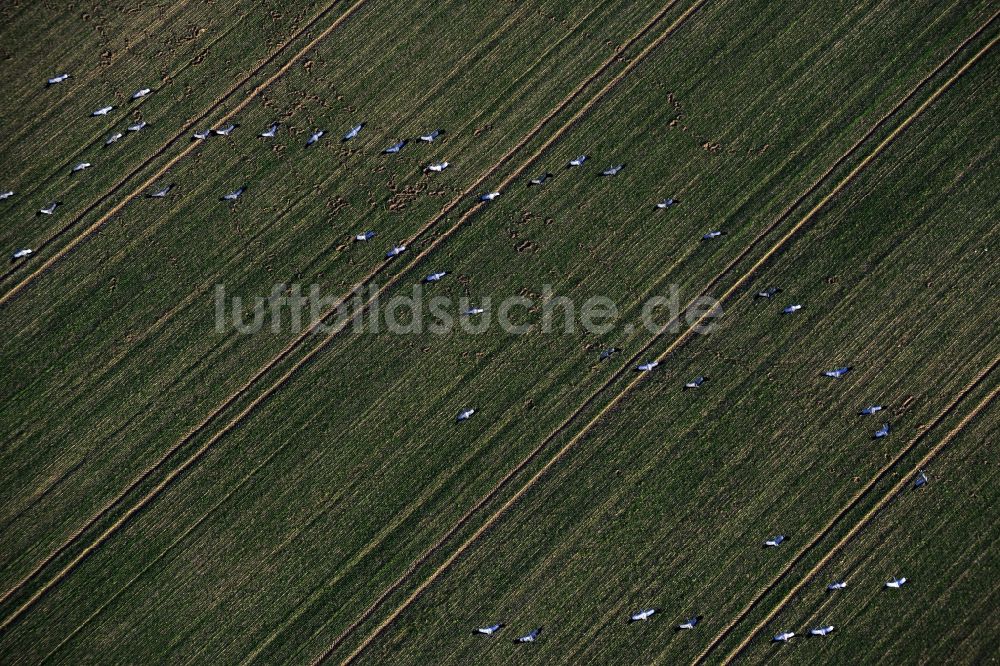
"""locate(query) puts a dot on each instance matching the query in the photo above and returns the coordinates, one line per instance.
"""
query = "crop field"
(173, 490)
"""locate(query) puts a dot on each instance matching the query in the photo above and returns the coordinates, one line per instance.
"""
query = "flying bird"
(689, 624)
(48, 210)
(837, 373)
(667, 203)
(141, 93)
(869, 410)
(395, 148)
(365, 236)
(774, 542)
(489, 196)
(490, 630)
(695, 383)
(795, 307)
(81, 166)
(821, 631)
(770, 292)
(896, 583)
(608, 353)
(642, 615)
(6, 195)
(235, 194)
(837, 585)
(920, 481)
(437, 167)
(474, 311)
(227, 130)
(646, 367)
(204, 134)
(882, 432)
(103, 111)
(57, 79)
(578, 161)
(612, 170)
(395, 251)
(429, 138)
(464, 415)
(271, 131)
(138, 126)
(540, 180)
(712, 234)
(783, 637)
(114, 137)
(20, 254)
(353, 132)
(162, 192)
(315, 137)
(529, 637)
(434, 277)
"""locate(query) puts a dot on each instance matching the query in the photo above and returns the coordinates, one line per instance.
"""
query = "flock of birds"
(272, 131)
(437, 167)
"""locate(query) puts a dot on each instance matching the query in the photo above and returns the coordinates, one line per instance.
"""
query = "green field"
(172, 493)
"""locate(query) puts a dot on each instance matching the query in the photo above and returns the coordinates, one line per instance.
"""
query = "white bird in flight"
(353, 132)
(20, 254)
(271, 131)
(137, 126)
(529, 637)
(646, 367)
(612, 170)
(464, 415)
(315, 137)
(227, 130)
(775, 541)
(837, 373)
(429, 138)
(395, 148)
(689, 624)
(795, 307)
(437, 167)
(435, 277)
(578, 161)
(920, 481)
(49, 209)
(6, 195)
(882, 432)
(695, 383)
(667, 203)
(896, 583)
(81, 166)
(473, 311)
(162, 192)
(869, 410)
(235, 194)
(770, 292)
(642, 615)
(141, 93)
(395, 251)
(489, 196)
(821, 631)
(114, 137)
(783, 637)
(490, 630)
(540, 180)
(837, 585)
(57, 79)
(103, 111)
(713, 234)
(365, 236)
(204, 134)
